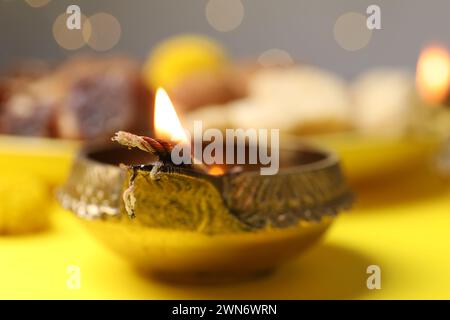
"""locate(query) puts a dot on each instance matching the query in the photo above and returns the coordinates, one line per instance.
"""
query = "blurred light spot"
(351, 32)
(216, 171)
(103, 31)
(66, 38)
(433, 74)
(275, 57)
(224, 15)
(37, 3)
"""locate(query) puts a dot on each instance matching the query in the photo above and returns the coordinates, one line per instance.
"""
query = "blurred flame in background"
(166, 122)
(433, 74)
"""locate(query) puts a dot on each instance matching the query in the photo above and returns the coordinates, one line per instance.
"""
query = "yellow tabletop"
(401, 226)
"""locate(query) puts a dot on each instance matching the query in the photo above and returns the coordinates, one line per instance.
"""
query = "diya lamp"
(199, 223)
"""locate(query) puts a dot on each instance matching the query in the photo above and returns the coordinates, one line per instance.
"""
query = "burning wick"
(168, 126)
(157, 147)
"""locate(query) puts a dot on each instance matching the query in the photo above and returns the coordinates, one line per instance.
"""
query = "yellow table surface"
(403, 226)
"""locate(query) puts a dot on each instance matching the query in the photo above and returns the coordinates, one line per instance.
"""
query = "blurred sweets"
(383, 101)
(178, 57)
(101, 96)
(26, 110)
(205, 88)
(282, 96)
(24, 203)
(195, 71)
(297, 99)
(307, 100)
(84, 98)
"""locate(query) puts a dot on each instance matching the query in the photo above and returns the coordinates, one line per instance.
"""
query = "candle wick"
(158, 147)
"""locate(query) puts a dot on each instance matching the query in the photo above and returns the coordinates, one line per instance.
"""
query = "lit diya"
(202, 222)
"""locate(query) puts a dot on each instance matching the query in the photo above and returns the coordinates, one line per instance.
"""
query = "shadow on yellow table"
(42, 266)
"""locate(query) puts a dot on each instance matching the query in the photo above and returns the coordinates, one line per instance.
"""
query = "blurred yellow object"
(180, 56)
(24, 203)
(368, 157)
(47, 159)
(30, 167)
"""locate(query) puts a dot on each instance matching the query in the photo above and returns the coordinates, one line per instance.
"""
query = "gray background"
(304, 28)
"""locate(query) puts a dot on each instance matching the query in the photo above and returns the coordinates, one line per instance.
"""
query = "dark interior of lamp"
(115, 155)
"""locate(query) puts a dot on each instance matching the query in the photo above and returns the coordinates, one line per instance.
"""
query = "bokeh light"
(67, 38)
(275, 57)
(224, 15)
(37, 3)
(351, 32)
(433, 74)
(102, 32)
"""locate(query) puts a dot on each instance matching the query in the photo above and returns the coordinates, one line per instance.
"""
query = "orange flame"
(216, 171)
(166, 122)
(433, 74)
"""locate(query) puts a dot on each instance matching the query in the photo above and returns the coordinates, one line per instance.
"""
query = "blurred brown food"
(210, 88)
(84, 98)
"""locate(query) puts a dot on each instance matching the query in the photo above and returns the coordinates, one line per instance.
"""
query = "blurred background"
(313, 69)
(248, 28)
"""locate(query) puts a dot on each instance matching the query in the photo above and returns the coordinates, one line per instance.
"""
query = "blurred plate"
(369, 157)
(49, 159)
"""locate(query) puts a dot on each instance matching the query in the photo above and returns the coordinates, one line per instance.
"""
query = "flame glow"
(433, 74)
(167, 124)
(216, 171)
